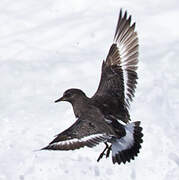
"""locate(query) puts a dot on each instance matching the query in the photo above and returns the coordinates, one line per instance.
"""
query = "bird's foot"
(103, 153)
(108, 151)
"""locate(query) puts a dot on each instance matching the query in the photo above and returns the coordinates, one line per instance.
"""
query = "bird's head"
(71, 95)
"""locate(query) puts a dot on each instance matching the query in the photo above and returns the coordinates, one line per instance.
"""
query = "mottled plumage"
(105, 116)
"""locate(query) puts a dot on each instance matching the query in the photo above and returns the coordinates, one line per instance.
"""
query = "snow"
(47, 47)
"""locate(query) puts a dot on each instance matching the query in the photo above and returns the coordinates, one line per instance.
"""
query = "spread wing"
(81, 133)
(119, 77)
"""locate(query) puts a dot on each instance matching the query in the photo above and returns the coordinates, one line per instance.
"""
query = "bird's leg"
(108, 151)
(102, 154)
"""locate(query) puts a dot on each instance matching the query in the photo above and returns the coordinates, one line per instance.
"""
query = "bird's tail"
(127, 147)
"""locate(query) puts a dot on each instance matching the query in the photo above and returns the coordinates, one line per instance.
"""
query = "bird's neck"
(80, 105)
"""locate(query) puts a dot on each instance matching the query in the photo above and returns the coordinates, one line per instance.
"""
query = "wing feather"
(80, 134)
(119, 77)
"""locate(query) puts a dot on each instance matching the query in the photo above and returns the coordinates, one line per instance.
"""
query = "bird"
(104, 117)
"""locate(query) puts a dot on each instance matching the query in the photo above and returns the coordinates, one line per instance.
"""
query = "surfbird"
(104, 118)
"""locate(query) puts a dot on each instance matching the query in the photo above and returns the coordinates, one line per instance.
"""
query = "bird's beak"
(60, 99)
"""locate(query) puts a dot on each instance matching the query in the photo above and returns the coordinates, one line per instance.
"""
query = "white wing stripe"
(84, 139)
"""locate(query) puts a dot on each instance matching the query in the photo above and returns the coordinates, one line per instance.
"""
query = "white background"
(49, 46)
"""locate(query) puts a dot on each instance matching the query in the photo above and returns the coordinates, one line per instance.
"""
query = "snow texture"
(49, 46)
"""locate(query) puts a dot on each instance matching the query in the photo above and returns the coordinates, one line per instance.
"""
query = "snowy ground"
(48, 46)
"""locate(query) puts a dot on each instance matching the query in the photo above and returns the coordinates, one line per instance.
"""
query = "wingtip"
(120, 12)
(44, 148)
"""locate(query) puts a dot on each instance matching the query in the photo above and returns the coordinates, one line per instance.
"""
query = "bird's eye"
(67, 95)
